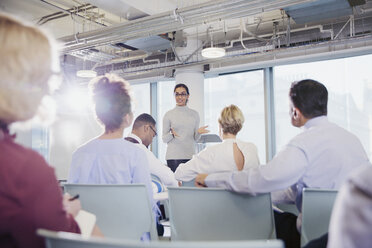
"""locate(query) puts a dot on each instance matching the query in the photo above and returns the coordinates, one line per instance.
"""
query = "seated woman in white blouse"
(230, 155)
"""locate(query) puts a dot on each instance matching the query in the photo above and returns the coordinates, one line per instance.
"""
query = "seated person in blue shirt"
(108, 158)
(322, 156)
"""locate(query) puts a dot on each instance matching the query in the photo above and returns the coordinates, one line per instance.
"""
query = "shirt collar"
(132, 135)
(316, 121)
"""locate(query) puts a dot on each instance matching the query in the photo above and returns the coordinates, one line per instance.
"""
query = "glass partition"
(246, 90)
(349, 84)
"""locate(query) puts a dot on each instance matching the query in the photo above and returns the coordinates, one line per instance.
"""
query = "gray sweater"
(185, 122)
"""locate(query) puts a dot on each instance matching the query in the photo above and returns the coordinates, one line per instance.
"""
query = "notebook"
(86, 222)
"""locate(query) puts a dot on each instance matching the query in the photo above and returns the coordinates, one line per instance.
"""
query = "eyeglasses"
(155, 133)
(182, 94)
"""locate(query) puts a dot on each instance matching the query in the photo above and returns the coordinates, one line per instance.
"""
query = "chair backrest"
(123, 211)
(289, 208)
(316, 211)
(71, 240)
(216, 214)
(189, 183)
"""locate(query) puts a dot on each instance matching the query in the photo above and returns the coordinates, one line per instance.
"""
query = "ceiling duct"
(173, 21)
(319, 10)
(356, 2)
(149, 44)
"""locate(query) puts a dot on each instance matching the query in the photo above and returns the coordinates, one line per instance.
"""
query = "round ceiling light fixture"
(86, 73)
(213, 52)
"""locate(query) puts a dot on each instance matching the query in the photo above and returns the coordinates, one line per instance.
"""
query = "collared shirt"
(218, 158)
(111, 161)
(157, 168)
(351, 221)
(322, 156)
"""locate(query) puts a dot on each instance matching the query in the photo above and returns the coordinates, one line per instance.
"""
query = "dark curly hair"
(112, 100)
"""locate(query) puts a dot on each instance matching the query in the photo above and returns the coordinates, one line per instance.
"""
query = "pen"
(74, 198)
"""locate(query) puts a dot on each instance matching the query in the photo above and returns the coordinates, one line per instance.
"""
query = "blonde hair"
(231, 119)
(27, 55)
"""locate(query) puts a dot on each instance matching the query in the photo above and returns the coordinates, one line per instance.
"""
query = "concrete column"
(193, 77)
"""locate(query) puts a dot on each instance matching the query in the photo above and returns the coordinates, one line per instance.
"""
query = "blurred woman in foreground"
(30, 197)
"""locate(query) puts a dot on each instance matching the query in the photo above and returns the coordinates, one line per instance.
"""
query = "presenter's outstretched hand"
(200, 180)
(174, 133)
(203, 129)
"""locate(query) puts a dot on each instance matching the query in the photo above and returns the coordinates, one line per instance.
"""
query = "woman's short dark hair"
(182, 86)
(111, 96)
(310, 97)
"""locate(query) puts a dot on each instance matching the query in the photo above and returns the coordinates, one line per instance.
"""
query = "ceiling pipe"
(164, 22)
(320, 27)
(229, 55)
(61, 14)
(233, 53)
(357, 45)
(243, 27)
(175, 52)
(71, 13)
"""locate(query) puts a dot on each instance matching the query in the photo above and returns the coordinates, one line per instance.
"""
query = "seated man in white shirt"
(143, 131)
(322, 156)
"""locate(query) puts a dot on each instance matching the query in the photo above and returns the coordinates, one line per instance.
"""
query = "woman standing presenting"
(181, 129)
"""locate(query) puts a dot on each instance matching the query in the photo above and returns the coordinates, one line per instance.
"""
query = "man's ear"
(145, 128)
(295, 113)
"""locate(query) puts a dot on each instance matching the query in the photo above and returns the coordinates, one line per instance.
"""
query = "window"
(76, 123)
(165, 103)
(141, 102)
(245, 90)
(349, 84)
